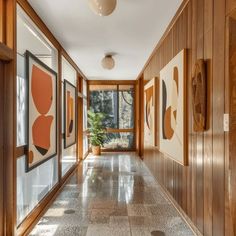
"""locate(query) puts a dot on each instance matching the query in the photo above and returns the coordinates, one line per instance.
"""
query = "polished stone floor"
(115, 195)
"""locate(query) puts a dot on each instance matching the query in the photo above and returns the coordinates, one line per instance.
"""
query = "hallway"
(113, 194)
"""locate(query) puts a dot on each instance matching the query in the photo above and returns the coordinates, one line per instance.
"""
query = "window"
(117, 103)
(126, 107)
(105, 101)
(33, 186)
(68, 154)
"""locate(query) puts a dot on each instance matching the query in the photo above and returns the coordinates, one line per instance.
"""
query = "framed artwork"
(150, 113)
(42, 112)
(70, 114)
(199, 97)
(173, 109)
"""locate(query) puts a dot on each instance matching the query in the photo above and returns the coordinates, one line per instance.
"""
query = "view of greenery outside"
(105, 102)
(117, 103)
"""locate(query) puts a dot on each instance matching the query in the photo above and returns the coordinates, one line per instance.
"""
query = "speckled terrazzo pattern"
(115, 195)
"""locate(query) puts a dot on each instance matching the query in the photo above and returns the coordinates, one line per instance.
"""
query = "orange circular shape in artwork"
(41, 89)
(169, 131)
(31, 157)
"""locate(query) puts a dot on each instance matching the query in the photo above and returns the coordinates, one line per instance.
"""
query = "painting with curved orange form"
(42, 112)
(41, 130)
(149, 116)
(149, 104)
(173, 109)
(70, 114)
(41, 89)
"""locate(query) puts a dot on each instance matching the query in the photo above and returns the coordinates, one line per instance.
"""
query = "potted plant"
(96, 131)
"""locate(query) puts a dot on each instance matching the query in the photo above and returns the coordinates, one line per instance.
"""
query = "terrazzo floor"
(114, 194)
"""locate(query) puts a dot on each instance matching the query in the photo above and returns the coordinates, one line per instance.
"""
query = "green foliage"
(96, 130)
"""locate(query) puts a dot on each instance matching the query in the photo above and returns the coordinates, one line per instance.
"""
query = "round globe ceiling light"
(102, 7)
(108, 62)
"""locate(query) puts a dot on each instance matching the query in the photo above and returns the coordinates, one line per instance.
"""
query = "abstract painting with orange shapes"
(172, 109)
(69, 114)
(42, 111)
(149, 114)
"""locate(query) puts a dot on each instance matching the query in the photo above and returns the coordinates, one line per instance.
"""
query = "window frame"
(118, 130)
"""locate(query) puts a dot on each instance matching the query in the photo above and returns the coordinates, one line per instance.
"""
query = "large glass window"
(104, 99)
(68, 154)
(117, 103)
(34, 185)
(126, 107)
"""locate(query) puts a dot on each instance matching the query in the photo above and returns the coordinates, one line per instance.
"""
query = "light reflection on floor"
(113, 195)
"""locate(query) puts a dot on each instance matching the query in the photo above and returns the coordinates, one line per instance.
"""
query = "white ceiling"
(131, 33)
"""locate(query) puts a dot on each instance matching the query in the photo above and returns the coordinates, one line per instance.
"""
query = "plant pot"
(96, 150)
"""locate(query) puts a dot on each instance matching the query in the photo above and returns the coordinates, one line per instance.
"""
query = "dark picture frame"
(69, 87)
(31, 61)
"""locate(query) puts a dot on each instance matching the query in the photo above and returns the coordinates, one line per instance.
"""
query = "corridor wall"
(202, 189)
(32, 186)
(35, 188)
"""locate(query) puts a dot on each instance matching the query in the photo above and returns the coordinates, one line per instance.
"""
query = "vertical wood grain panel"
(231, 147)
(137, 118)
(1, 149)
(141, 115)
(190, 142)
(10, 122)
(199, 177)
(194, 135)
(2, 18)
(208, 54)
(59, 105)
(230, 5)
(218, 111)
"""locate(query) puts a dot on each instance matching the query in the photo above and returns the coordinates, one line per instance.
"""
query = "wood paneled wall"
(201, 189)
(1, 151)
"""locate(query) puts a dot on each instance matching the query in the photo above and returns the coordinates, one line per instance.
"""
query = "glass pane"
(126, 107)
(85, 115)
(34, 185)
(119, 141)
(85, 144)
(68, 158)
(85, 88)
(106, 101)
(68, 154)
(21, 102)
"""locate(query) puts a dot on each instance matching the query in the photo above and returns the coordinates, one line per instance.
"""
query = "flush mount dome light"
(108, 62)
(102, 7)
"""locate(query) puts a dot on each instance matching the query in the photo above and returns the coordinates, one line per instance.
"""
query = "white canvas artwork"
(172, 109)
(149, 113)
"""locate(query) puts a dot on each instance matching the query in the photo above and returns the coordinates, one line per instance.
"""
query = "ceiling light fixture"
(108, 62)
(102, 7)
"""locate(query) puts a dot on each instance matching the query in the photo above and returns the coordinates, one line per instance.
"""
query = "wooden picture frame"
(173, 109)
(70, 114)
(42, 112)
(199, 97)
